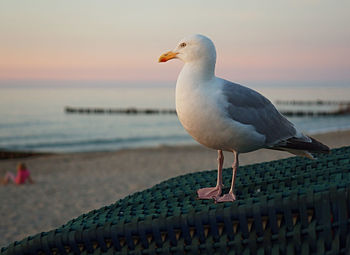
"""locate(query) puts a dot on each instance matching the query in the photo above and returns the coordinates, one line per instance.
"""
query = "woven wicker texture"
(289, 206)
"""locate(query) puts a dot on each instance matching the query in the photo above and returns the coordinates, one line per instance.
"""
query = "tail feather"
(302, 147)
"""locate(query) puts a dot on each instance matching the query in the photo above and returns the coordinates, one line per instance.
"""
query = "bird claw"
(229, 197)
(209, 193)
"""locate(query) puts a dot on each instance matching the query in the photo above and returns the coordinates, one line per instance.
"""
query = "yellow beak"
(167, 56)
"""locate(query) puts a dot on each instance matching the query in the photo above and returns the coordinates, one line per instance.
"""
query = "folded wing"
(251, 108)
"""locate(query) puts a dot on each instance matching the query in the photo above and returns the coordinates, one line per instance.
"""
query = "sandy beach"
(67, 185)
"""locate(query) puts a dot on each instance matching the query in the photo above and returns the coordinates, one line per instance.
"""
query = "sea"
(33, 118)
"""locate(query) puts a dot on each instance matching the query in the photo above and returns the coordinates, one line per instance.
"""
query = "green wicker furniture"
(289, 206)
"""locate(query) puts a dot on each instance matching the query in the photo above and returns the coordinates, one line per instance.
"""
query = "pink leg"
(210, 193)
(9, 176)
(230, 196)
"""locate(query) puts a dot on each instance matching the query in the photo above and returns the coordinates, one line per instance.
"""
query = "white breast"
(201, 110)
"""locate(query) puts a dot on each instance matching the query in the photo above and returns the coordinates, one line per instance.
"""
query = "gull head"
(192, 48)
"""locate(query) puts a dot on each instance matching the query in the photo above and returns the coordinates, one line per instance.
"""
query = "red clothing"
(22, 176)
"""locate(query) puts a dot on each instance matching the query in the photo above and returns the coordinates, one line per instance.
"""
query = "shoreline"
(70, 184)
(21, 154)
(8, 154)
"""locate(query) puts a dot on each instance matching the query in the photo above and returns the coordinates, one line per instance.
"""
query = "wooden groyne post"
(131, 110)
(342, 109)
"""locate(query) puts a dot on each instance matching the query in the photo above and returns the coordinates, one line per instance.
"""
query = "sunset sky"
(261, 42)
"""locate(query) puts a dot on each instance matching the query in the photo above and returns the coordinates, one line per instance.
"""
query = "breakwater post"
(131, 110)
(305, 108)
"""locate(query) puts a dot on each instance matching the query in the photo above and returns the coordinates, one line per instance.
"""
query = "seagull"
(227, 116)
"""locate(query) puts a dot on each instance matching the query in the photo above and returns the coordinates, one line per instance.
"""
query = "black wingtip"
(312, 146)
(319, 147)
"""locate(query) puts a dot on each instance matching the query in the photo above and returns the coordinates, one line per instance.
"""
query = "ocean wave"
(81, 144)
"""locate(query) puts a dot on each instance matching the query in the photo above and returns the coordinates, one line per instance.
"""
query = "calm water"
(34, 119)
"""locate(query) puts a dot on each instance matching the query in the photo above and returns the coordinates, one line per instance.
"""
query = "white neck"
(196, 72)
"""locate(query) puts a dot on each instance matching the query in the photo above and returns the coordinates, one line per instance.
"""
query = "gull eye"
(182, 45)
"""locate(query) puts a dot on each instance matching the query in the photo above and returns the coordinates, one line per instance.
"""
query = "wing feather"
(249, 107)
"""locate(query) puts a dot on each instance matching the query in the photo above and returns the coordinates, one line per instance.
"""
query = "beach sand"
(67, 185)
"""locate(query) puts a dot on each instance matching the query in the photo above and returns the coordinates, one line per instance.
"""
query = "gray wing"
(249, 107)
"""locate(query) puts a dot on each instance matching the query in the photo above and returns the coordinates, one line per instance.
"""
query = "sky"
(258, 42)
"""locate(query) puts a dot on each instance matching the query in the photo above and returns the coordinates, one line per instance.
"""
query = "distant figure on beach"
(23, 175)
